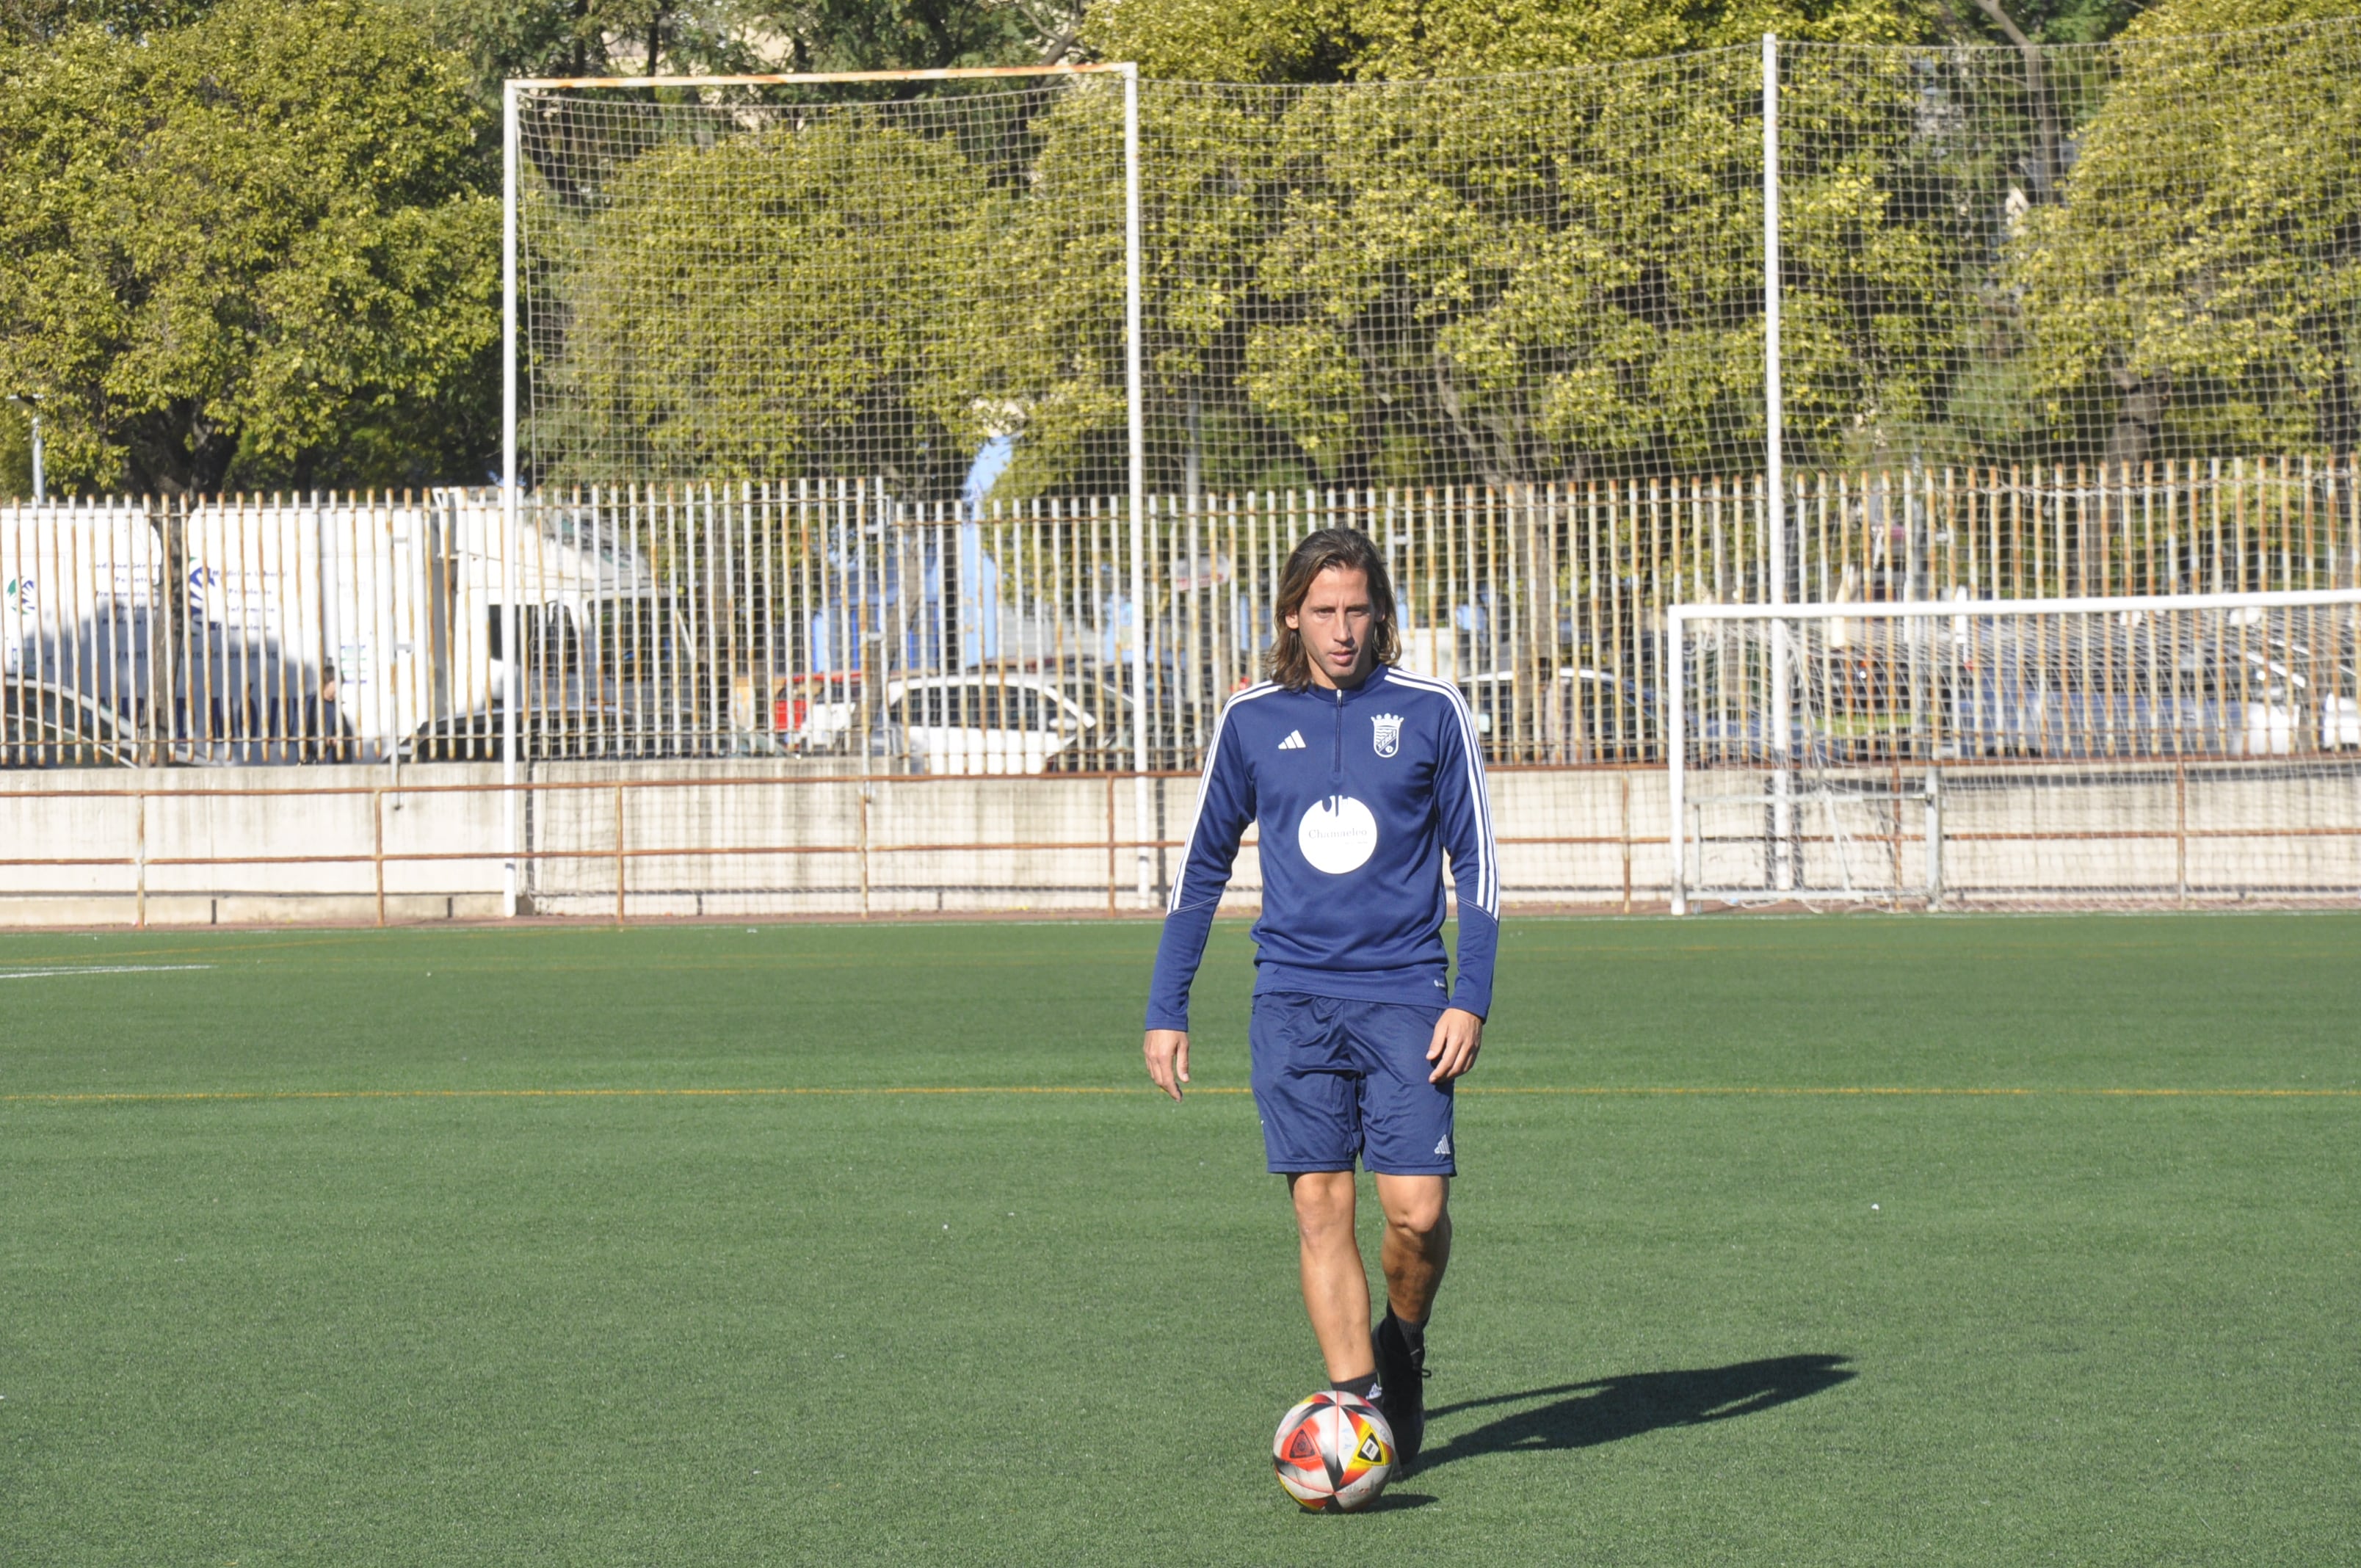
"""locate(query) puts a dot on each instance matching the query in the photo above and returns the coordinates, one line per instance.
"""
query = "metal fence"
(827, 619)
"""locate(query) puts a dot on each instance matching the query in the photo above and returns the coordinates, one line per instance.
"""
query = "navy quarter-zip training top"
(1361, 794)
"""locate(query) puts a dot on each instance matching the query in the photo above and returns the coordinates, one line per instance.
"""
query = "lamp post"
(33, 401)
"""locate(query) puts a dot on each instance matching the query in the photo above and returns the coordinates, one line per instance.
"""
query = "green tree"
(920, 35)
(251, 250)
(1329, 41)
(1545, 276)
(2196, 290)
(792, 301)
(16, 451)
(1513, 280)
(37, 21)
(502, 39)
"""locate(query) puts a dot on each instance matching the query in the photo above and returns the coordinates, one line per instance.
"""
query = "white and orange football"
(1333, 1453)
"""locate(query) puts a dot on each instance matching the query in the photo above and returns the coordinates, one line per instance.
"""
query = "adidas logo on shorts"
(1294, 742)
(1443, 1145)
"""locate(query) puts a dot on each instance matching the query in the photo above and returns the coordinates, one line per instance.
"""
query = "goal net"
(773, 279)
(2123, 254)
(2067, 753)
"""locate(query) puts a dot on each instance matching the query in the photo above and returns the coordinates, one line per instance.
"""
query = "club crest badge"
(1387, 739)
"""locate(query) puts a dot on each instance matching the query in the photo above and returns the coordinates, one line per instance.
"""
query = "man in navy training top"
(1363, 778)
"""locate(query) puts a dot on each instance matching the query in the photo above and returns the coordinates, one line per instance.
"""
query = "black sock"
(1365, 1386)
(1413, 1334)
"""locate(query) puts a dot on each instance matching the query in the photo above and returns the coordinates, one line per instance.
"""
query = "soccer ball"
(1333, 1453)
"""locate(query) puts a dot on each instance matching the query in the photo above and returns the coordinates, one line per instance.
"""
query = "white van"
(399, 611)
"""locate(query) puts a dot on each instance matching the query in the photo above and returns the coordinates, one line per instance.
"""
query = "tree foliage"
(37, 21)
(763, 306)
(1494, 279)
(1543, 277)
(1331, 40)
(251, 249)
(1560, 276)
(837, 293)
(921, 34)
(2196, 289)
(259, 245)
(502, 39)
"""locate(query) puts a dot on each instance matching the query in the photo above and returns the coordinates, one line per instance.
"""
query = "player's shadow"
(1608, 1409)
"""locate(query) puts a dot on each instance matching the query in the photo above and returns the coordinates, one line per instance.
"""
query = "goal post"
(2140, 751)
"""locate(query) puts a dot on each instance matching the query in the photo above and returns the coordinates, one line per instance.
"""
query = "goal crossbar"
(823, 78)
(2295, 598)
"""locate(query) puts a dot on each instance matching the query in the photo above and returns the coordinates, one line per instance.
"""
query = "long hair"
(1286, 662)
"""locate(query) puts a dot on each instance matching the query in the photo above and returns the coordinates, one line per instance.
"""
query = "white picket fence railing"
(827, 619)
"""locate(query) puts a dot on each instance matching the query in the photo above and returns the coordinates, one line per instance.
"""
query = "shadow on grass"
(1608, 1409)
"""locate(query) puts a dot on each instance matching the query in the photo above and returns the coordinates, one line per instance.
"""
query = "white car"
(981, 722)
(984, 722)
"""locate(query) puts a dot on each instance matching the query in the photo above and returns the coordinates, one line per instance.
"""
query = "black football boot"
(1402, 1376)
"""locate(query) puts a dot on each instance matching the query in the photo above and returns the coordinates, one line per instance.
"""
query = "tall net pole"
(1775, 498)
(1135, 390)
(508, 495)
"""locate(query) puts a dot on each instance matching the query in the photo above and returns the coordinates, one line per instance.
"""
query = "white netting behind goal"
(2007, 753)
(770, 282)
(2123, 254)
(1552, 275)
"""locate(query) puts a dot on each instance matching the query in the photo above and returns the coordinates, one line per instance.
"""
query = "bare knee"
(1419, 1211)
(1324, 1204)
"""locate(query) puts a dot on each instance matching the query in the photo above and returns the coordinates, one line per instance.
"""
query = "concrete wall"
(229, 844)
(772, 837)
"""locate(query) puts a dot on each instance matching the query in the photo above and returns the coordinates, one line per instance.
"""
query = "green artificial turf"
(270, 1295)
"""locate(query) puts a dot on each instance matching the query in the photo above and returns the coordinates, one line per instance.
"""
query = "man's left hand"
(1458, 1035)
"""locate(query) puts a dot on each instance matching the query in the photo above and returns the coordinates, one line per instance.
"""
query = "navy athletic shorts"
(1335, 1079)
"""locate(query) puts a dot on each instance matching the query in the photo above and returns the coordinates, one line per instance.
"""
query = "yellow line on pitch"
(1839, 1091)
(577, 1094)
(1598, 1091)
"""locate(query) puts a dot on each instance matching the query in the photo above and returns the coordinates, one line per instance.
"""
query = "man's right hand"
(1167, 1051)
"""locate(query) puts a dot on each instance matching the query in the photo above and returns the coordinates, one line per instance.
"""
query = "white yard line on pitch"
(104, 969)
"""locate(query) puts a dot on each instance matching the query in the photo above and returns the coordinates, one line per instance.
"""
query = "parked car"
(888, 747)
(987, 722)
(814, 713)
(480, 737)
(1175, 740)
(1971, 686)
(220, 701)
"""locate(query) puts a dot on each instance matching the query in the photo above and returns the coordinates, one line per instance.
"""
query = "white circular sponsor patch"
(1337, 835)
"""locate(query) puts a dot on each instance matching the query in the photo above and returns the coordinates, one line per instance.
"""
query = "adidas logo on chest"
(1294, 742)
